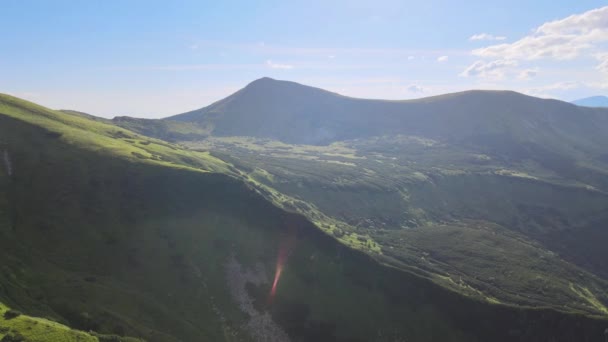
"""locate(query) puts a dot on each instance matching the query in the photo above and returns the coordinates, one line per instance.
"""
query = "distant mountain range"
(593, 101)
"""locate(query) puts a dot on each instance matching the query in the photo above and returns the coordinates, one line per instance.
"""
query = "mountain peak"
(267, 82)
(264, 82)
(261, 81)
(272, 90)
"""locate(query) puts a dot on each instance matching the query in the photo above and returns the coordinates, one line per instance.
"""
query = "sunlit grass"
(108, 139)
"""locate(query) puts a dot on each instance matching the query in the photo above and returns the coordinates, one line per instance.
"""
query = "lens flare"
(277, 275)
(285, 248)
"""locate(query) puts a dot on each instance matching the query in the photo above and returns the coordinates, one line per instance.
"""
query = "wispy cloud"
(183, 67)
(486, 36)
(527, 74)
(603, 59)
(496, 69)
(442, 59)
(415, 88)
(273, 65)
(300, 65)
(323, 52)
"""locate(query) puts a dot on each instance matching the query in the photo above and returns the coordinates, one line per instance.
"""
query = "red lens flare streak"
(285, 248)
(277, 275)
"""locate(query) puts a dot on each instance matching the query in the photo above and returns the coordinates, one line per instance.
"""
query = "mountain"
(294, 113)
(441, 175)
(378, 238)
(593, 101)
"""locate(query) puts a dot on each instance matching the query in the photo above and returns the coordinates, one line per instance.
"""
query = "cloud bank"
(580, 38)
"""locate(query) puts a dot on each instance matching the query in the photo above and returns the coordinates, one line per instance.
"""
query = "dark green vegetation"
(496, 195)
(483, 230)
(593, 101)
(108, 230)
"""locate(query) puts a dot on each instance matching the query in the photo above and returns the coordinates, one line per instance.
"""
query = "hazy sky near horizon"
(158, 58)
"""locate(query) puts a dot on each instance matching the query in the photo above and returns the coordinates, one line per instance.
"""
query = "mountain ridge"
(267, 108)
(593, 101)
(268, 81)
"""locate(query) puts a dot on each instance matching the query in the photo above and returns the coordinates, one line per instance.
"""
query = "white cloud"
(331, 56)
(273, 65)
(496, 69)
(410, 58)
(527, 74)
(603, 58)
(414, 88)
(486, 36)
(561, 39)
(442, 59)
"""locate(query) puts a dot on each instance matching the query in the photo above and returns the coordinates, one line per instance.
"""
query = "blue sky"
(157, 58)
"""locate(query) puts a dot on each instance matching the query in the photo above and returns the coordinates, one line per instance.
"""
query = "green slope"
(163, 129)
(533, 172)
(16, 327)
(99, 136)
(477, 229)
(99, 238)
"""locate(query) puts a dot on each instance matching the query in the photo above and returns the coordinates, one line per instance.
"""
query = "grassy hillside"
(16, 327)
(163, 129)
(99, 136)
(480, 229)
(101, 239)
(526, 176)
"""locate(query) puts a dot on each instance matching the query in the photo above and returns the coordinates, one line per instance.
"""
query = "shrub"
(54, 135)
(139, 155)
(13, 337)
(108, 338)
(10, 314)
